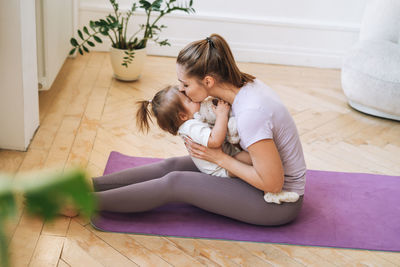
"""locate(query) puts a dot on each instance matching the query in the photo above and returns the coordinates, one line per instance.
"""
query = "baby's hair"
(166, 106)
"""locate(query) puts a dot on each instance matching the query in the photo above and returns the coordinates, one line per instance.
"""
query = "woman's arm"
(244, 156)
(266, 173)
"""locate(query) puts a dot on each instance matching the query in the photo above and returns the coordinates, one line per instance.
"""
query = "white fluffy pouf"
(371, 69)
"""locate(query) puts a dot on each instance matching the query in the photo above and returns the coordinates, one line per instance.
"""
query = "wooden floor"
(87, 114)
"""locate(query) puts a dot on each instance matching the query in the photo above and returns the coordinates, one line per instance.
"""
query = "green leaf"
(92, 25)
(156, 5)
(74, 42)
(4, 260)
(114, 19)
(85, 48)
(72, 51)
(7, 201)
(80, 34)
(80, 51)
(104, 32)
(85, 29)
(144, 4)
(47, 195)
(97, 39)
(133, 8)
(91, 43)
(103, 22)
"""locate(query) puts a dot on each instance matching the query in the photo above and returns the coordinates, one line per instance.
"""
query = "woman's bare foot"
(69, 211)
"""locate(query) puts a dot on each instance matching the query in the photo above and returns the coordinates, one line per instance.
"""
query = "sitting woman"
(267, 132)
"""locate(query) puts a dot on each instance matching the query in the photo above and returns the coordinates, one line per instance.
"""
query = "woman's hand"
(214, 155)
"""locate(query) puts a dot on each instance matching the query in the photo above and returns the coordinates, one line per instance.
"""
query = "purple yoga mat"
(347, 210)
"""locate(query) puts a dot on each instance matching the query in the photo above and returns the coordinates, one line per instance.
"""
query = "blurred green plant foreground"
(45, 195)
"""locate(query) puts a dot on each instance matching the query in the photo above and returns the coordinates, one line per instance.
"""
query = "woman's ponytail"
(212, 56)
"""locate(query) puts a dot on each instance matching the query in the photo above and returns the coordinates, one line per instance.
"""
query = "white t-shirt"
(200, 132)
(260, 114)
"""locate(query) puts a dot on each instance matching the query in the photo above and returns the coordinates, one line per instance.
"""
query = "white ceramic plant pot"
(134, 69)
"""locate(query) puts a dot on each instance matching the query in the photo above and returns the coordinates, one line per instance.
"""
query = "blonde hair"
(166, 106)
(212, 56)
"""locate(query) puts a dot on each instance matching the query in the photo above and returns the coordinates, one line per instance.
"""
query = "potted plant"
(128, 53)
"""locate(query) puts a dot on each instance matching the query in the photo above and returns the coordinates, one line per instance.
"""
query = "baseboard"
(264, 40)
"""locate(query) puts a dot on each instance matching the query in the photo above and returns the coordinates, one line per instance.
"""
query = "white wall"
(54, 25)
(294, 32)
(19, 108)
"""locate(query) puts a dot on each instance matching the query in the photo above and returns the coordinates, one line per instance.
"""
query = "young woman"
(267, 131)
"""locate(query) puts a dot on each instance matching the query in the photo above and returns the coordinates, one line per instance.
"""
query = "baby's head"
(170, 107)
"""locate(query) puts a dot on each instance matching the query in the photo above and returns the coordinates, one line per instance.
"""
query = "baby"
(175, 113)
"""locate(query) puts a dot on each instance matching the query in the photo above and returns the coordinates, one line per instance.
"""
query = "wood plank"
(74, 255)
(366, 257)
(63, 141)
(393, 257)
(334, 256)
(48, 251)
(167, 251)
(57, 227)
(83, 242)
(270, 254)
(129, 247)
(50, 123)
(234, 252)
(24, 240)
(202, 252)
(10, 161)
(303, 255)
(62, 263)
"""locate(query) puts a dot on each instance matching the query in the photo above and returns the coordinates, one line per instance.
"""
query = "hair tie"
(149, 101)
(210, 42)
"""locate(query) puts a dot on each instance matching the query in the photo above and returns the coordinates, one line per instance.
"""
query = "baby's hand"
(222, 108)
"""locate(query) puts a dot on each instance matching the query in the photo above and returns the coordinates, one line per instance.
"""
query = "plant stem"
(122, 44)
(118, 44)
(116, 38)
(113, 44)
(146, 31)
(126, 25)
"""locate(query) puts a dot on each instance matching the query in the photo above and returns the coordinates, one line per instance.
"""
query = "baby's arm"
(220, 128)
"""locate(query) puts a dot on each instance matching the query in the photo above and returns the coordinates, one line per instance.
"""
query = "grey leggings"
(178, 180)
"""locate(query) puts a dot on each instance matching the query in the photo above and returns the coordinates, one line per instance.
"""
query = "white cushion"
(381, 21)
(371, 78)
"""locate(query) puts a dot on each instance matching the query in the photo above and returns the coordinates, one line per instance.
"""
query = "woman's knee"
(173, 178)
(184, 163)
